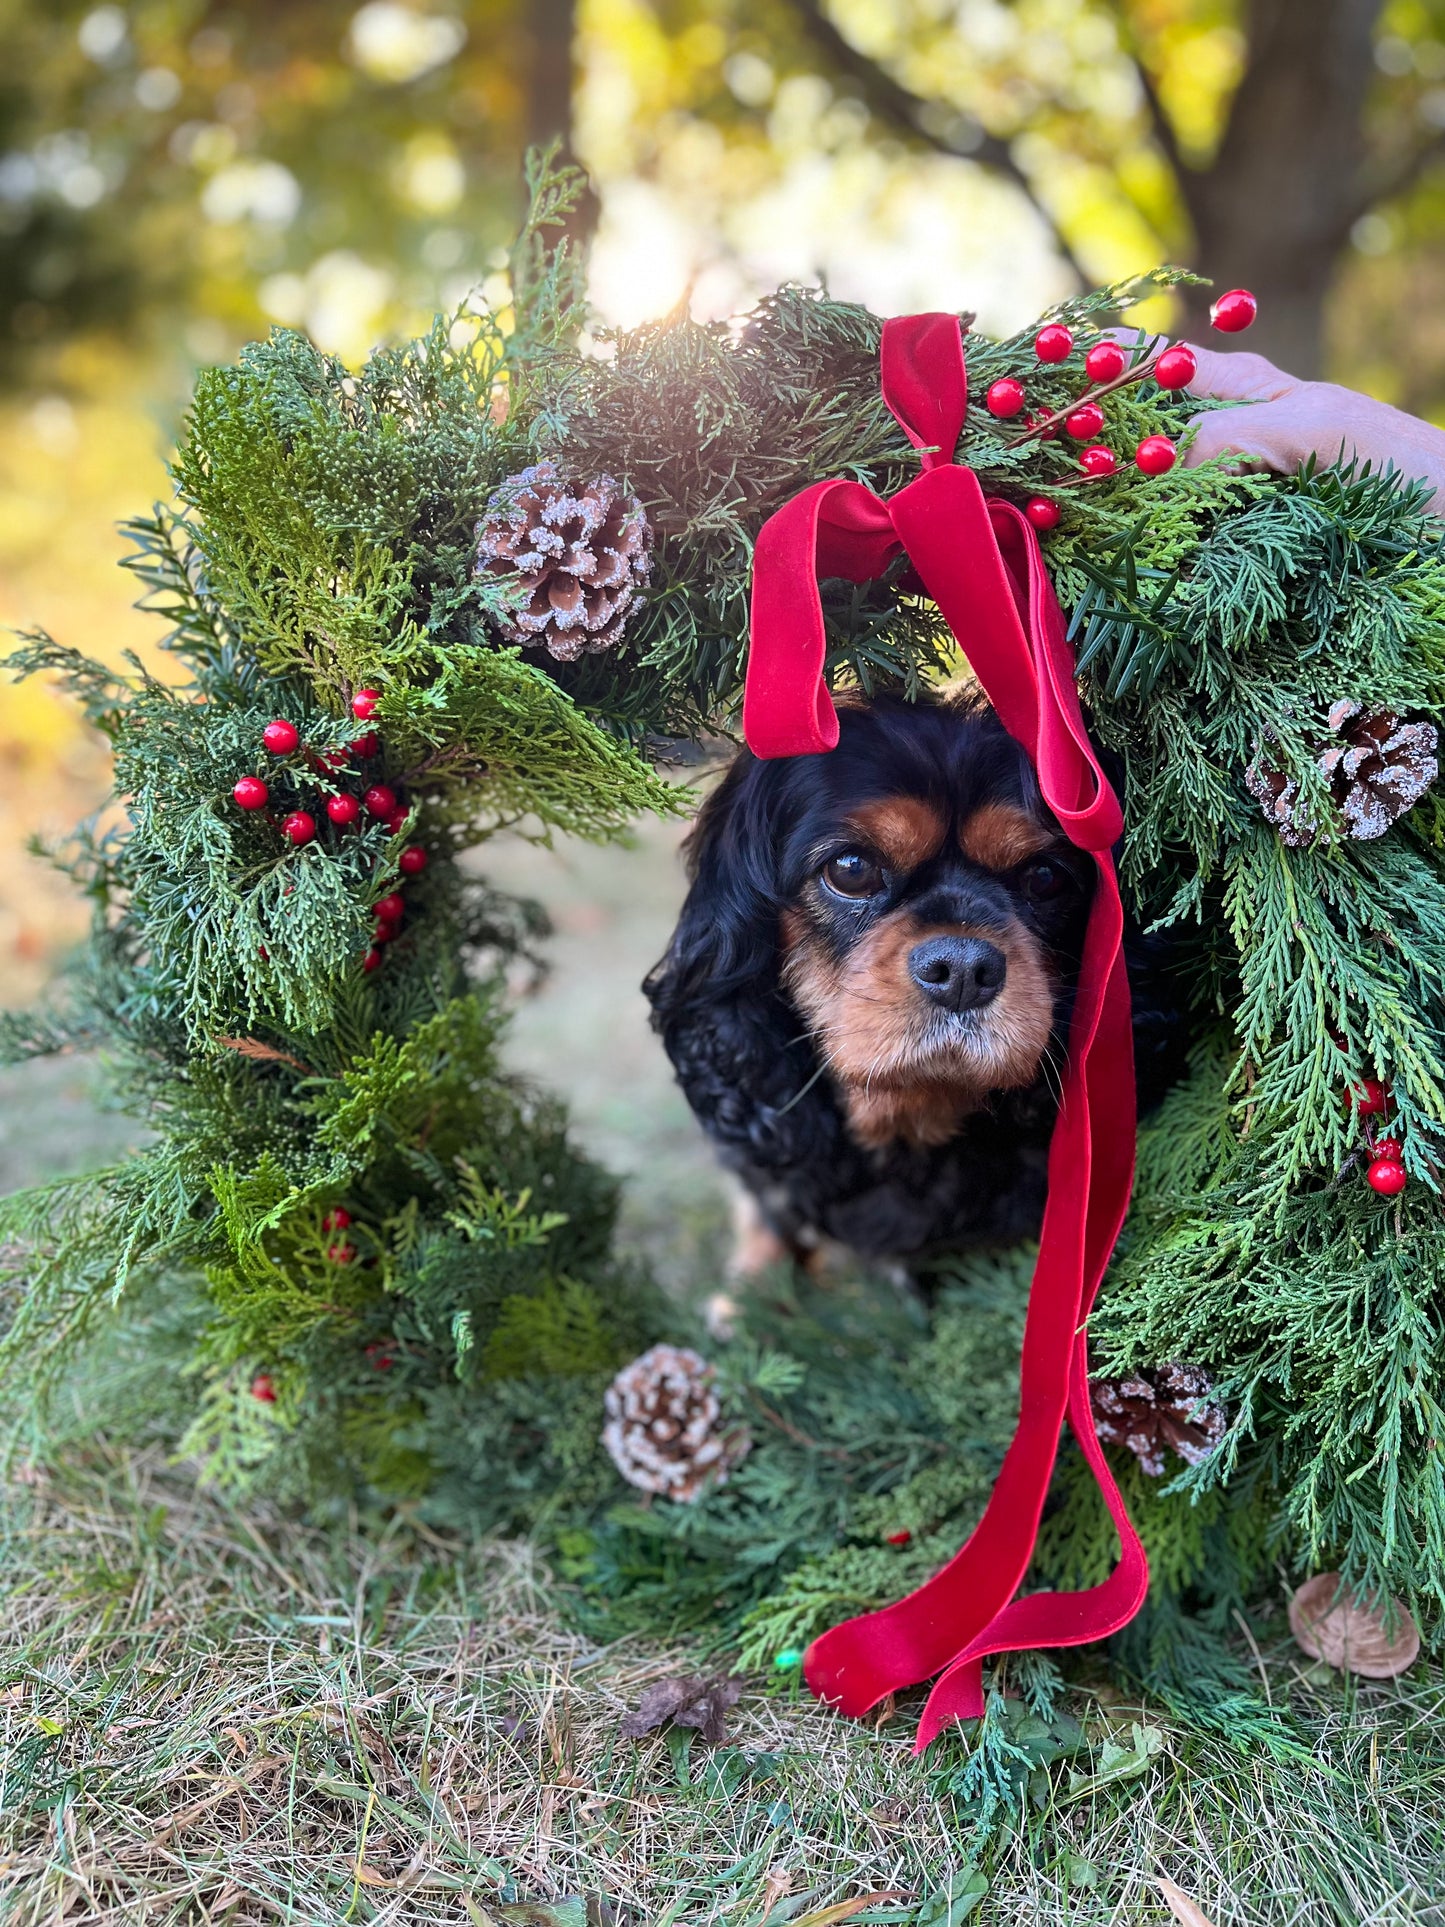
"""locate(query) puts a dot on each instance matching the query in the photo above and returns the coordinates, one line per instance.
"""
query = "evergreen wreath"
(357, 1256)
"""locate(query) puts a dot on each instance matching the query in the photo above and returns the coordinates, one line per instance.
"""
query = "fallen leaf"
(1330, 1625)
(369, 1877)
(572, 1910)
(1186, 1911)
(695, 1701)
(845, 1909)
(956, 1901)
(1117, 1762)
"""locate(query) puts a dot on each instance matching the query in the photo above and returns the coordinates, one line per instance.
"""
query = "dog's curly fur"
(795, 998)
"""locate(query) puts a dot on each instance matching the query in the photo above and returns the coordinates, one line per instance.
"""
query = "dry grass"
(206, 1716)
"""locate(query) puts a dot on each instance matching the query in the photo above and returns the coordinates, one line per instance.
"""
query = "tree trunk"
(551, 28)
(1275, 209)
(551, 76)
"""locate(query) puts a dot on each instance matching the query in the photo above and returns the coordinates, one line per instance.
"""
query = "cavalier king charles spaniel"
(867, 995)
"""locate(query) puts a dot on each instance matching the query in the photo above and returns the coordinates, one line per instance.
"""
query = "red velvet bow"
(980, 562)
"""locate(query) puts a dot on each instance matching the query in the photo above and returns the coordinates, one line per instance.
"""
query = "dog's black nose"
(960, 973)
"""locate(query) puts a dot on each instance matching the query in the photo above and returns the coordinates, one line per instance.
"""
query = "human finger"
(1240, 434)
(1238, 376)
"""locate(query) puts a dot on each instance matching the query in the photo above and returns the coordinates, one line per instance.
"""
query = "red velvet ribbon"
(980, 562)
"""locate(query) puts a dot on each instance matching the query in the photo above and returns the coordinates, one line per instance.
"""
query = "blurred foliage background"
(176, 176)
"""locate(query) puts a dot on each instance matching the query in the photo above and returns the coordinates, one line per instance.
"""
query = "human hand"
(1288, 420)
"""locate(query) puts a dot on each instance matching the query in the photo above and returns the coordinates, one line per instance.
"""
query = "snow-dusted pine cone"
(1171, 1405)
(1377, 766)
(1278, 796)
(578, 556)
(664, 1427)
(1380, 768)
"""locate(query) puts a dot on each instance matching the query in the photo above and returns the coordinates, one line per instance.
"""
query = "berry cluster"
(1386, 1170)
(379, 802)
(380, 1354)
(1109, 369)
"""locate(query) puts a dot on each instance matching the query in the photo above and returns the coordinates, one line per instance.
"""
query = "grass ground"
(209, 1715)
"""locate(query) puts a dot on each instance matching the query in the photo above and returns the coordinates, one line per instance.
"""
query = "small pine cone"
(577, 558)
(1381, 768)
(1172, 1405)
(1278, 796)
(1377, 768)
(663, 1428)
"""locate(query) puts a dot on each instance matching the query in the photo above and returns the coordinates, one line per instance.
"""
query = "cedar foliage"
(320, 541)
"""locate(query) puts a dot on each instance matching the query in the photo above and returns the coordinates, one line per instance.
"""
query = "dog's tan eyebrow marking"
(904, 830)
(999, 835)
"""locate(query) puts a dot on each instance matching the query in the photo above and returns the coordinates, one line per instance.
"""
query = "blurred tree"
(302, 160)
(1268, 142)
(350, 166)
(1328, 117)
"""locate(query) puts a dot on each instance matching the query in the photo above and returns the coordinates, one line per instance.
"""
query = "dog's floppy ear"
(727, 934)
(740, 1052)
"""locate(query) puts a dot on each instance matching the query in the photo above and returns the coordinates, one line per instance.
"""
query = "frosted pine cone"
(1278, 796)
(1377, 768)
(1382, 767)
(664, 1425)
(576, 557)
(1168, 1406)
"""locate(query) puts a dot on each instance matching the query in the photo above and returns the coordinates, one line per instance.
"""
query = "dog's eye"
(853, 875)
(1043, 880)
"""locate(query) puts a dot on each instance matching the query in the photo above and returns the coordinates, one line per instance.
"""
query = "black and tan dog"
(866, 998)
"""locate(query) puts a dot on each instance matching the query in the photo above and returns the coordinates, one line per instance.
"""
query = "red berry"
(1387, 1150)
(380, 800)
(1105, 361)
(1176, 367)
(336, 1219)
(372, 960)
(342, 809)
(378, 1356)
(251, 793)
(1370, 1098)
(1387, 1176)
(391, 908)
(412, 861)
(1045, 434)
(363, 704)
(1086, 420)
(365, 746)
(1098, 460)
(1233, 312)
(384, 932)
(280, 737)
(899, 1538)
(341, 1254)
(397, 821)
(262, 1388)
(1043, 513)
(1155, 455)
(1005, 398)
(299, 826)
(334, 759)
(1054, 343)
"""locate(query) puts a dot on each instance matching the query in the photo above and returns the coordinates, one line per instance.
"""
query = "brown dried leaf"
(266, 1053)
(845, 1909)
(1330, 1625)
(1186, 1911)
(688, 1700)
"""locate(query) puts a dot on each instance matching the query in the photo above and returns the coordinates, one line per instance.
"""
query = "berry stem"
(1136, 371)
